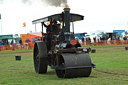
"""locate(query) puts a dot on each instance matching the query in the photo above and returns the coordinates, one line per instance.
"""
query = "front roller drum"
(74, 65)
(40, 57)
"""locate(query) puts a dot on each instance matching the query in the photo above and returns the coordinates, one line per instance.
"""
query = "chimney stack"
(67, 19)
(66, 9)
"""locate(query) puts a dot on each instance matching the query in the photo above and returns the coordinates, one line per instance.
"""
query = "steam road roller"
(59, 49)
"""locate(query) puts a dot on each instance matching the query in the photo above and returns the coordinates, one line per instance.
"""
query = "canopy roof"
(58, 17)
(34, 34)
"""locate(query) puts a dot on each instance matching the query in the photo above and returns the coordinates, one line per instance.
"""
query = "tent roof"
(35, 34)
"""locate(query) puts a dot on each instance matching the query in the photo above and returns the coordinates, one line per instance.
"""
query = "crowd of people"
(104, 40)
(13, 44)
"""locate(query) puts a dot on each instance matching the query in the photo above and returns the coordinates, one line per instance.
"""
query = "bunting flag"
(24, 24)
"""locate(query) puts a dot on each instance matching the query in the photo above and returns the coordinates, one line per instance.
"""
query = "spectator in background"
(38, 39)
(29, 44)
(121, 40)
(0, 45)
(76, 38)
(109, 41)
(118, 40)
(21, 45)
(94, 39)
(26, 41)
(26, 44)
(83, 40)
(125, 39)
(6, 42)
(114, 40)
(13, 44)
(88, 41)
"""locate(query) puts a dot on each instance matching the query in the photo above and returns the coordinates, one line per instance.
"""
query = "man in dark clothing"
(124, 38)
(11, 42)
(20, 43)
(54, 26)
(94, 39)
(83, 40)
(48, 27)
(48, 36)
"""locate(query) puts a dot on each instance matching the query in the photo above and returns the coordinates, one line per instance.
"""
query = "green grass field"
(111, 69)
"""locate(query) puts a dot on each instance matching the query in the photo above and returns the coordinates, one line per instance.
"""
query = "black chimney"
(67, 19)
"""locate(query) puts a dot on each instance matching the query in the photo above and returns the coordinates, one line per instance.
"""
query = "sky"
(105, 15)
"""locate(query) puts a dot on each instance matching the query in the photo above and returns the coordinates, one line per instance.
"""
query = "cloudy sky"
(98, 14)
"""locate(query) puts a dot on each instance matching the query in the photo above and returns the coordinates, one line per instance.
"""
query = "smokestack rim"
(66, 9)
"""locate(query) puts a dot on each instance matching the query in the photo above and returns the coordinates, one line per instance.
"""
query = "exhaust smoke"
(56, 3)
(26, 1)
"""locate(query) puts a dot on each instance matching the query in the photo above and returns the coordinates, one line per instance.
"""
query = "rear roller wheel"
(40, 64)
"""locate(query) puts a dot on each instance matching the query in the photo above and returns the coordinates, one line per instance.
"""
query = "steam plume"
(26, 1)
(56, 3)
